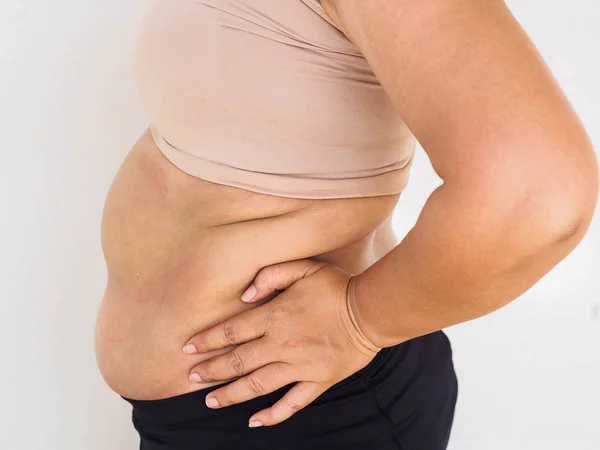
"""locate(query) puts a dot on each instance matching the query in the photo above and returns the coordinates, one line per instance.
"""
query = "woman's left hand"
(306, 334)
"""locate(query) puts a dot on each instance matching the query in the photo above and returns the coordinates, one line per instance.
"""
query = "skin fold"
(180, 251)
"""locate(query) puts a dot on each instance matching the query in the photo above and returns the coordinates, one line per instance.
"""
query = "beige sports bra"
(268, 96)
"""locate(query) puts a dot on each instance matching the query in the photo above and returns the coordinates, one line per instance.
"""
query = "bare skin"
(180, 251)
(520, 187)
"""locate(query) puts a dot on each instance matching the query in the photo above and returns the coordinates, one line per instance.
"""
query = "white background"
(529, 374)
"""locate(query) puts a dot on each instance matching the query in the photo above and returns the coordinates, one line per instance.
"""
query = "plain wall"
(529, 374)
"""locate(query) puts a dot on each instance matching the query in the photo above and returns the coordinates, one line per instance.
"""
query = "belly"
(180, 251)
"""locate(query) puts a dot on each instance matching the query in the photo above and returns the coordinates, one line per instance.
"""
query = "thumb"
(278, 277)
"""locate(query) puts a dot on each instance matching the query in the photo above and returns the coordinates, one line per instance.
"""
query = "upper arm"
(470, 85)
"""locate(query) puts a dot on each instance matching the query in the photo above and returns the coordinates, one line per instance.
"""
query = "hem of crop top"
(389, 183)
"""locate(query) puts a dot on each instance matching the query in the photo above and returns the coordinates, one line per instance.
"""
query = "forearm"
(471, 252)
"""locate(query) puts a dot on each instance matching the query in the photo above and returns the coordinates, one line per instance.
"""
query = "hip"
(404, 399)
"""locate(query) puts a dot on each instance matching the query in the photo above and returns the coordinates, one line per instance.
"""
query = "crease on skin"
(258, 219)
(363, 340)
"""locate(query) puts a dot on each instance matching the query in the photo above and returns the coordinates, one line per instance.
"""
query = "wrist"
(366, 335)
(358, 306)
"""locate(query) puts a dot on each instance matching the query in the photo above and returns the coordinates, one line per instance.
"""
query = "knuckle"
(280, 313)
(236, 364)
(270, 417)
(204, 372)
(307, 265)
(294, 342)
(255, 386)
(229, 333)
(223, 397)
(199, 342)
(270, 275)
(294, 406)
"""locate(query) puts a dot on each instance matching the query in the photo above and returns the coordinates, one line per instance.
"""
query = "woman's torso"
(252, 93)
(180, 251)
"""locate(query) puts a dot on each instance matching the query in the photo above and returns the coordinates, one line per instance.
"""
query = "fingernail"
(190, 349)
(255, 424)
(195, 378)
(212, 402)
(249, 294)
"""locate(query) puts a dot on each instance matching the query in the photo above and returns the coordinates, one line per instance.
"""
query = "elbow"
(561, 207)
(529, 206)
(579, 206)
(573, 228)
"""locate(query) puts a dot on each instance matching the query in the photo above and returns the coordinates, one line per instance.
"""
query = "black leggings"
(403, 400)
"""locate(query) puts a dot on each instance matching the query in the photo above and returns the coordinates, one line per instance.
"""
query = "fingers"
(279, 277)
(299, 396)
(244, 327)
(240, 361)
(263, 381)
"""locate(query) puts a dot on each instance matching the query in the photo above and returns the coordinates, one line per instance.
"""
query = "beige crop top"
(268, 96)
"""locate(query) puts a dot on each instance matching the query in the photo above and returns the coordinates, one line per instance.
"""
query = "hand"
(306, 334)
